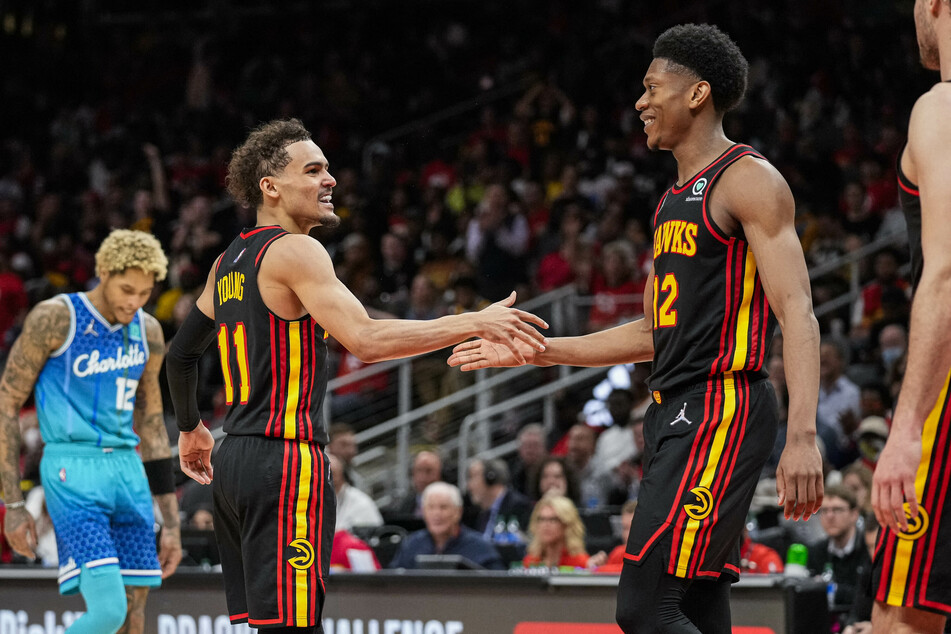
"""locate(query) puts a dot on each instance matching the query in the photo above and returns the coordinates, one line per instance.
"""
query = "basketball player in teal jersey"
(727, 266)
(912, 562)
(93, 359)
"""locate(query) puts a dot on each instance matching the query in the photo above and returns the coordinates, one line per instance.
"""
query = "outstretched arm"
(632, 342)
(44, 330)
(302, 265)
(754, 194)
(929, 345)
(149, 421)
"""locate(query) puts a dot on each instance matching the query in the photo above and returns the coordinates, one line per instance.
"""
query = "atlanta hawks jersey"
(710, 311)
(910, 199)
(86, 390)
(275, 370)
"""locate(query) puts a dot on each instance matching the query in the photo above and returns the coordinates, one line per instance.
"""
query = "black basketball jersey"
(710, 311)
(910, 200)
(275, 370)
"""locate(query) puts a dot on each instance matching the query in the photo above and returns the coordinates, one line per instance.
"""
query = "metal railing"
(851, 262)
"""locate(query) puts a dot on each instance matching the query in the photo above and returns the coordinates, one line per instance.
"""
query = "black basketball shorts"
(705, 448)
(275, 512)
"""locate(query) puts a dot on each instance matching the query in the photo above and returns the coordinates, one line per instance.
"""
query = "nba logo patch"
(62, 474)
(135, 333)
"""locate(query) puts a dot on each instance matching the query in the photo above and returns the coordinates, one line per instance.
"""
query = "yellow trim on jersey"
(293, 381)
(710, 471)
(903, 547)
(741, 336)
(300, 531)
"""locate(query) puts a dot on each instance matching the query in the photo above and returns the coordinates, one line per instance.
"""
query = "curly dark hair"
(264, 153)
(710, 54)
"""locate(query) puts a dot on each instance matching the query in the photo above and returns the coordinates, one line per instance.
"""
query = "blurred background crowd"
(478, 148)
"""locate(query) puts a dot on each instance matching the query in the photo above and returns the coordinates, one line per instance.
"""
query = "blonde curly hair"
(129, 249)
(567, 513)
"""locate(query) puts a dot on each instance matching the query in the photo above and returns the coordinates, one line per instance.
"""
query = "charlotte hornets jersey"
(86, 390)
(275, 370)
(710, 312)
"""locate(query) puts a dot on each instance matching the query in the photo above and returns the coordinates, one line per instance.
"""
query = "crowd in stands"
(542, 181)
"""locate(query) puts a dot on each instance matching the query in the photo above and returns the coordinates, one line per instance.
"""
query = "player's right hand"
(501, 324)
(20, 531)
(194, 453)
(478, 354)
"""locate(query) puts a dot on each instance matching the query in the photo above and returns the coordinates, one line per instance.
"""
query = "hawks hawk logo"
(703, 506)
(917, 526)
(299, 554)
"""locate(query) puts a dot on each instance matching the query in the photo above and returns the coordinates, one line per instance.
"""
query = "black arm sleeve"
(181, 366)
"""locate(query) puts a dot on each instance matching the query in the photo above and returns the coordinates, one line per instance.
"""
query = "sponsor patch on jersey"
(135, 333)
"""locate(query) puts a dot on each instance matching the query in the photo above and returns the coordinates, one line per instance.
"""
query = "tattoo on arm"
(148, 416)
(44, 330)
(168, 505)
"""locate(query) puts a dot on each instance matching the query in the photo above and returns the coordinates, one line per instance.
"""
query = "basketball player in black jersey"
(912, 562)
(727, 265)
(270, 301)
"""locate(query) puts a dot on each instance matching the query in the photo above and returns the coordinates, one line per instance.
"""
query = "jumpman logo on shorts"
(682, 416)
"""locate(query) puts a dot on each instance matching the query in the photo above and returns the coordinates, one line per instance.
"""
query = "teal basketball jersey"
(86, 391)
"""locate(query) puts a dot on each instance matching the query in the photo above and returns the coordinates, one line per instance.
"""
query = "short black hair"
(711, 55)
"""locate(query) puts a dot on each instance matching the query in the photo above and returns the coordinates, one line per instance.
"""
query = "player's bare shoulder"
(47, 324)
(154, 335)
(295, 255)
(751, 190)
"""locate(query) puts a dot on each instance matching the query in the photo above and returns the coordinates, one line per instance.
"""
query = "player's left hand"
(799, 479)
(478, 354)
(894, 482)
(194, 453)
(170, 550)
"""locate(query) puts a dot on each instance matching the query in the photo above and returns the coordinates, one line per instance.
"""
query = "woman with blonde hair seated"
(557, 536)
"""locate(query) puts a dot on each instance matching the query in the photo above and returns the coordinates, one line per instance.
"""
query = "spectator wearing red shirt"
(616, 558)
(616, 293)
(350, 553)
(13, 300)
(758, 558)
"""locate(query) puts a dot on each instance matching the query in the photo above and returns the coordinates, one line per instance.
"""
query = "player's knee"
(105, 597)
(633, 617)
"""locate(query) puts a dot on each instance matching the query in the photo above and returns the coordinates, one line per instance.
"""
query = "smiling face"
(664, 106)
(441, 515)
(549, 528)
(305, 186)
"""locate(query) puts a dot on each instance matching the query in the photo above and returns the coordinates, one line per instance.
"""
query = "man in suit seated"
(503, 512)
(444, 533)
